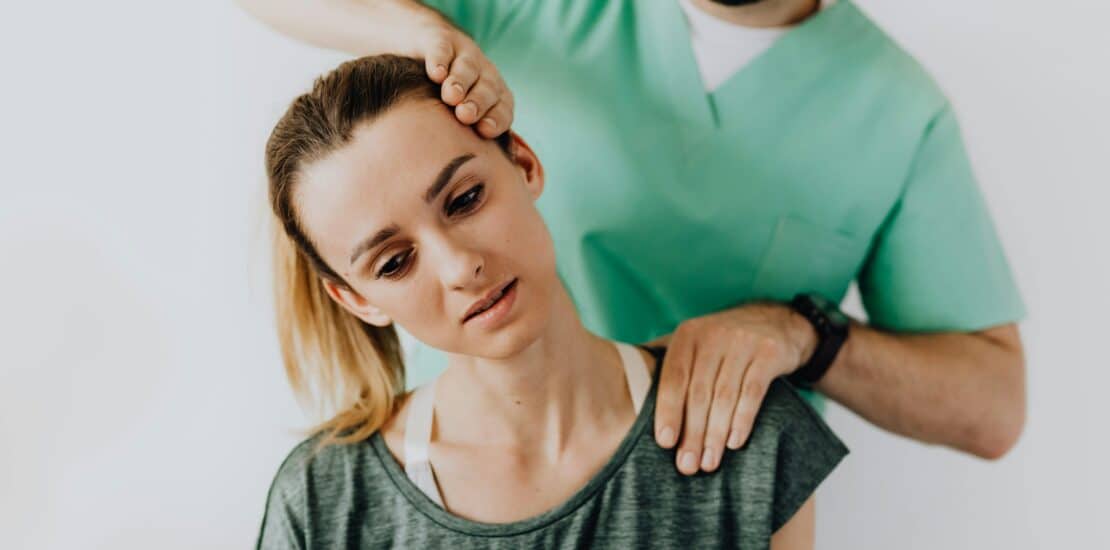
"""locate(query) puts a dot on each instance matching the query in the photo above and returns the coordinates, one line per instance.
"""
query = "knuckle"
(694, 433)
(754, 387)
(768, 348)
(467, 65)
(669, 404)
(715, 436)
(718, 333)
(726, 393)
(441, 47)
(680, 371)
(484, 94)
(699, 392)
(741, 336)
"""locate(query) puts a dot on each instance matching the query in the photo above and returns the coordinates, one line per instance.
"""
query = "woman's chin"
(508, 341)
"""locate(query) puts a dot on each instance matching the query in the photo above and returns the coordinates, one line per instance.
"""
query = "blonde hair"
(333, 360)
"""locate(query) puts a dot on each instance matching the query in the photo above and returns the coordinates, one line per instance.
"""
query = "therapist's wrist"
(406, 27)
(802, 336)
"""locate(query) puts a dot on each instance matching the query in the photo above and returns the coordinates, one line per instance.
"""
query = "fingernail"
(734, 441)
(688, 462)
(458, 87)
(707, 459)
(470, 106)
(440, 69)
(666, 437)
(489, 123)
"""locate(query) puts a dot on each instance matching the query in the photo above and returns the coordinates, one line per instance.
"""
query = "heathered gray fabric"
(357, 496)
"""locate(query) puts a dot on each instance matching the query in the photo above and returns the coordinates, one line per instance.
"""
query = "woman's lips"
(498, 309)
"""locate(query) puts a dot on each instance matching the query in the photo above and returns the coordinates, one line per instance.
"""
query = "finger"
(671, 395)
(753, 390)
(438, 58)
(500, 116)
(496, 121)
(663, 340)
(481, 97)
(726, 394)
(463, 75)
(703, 377)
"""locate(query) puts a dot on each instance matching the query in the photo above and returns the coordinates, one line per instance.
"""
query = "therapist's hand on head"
(716, 373)
(470, 82)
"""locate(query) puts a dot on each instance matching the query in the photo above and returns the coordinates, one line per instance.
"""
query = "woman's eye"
(466, 201)
(395, 265)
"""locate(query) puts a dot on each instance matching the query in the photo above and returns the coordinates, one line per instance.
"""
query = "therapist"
(720, 174)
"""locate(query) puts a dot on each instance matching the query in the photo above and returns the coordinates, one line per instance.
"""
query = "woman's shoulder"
(784, 408)
(315, 457)
(788, 428)
(322, 454)
(317, 477)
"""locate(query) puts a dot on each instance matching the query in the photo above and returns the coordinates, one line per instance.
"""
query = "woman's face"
(430, 224)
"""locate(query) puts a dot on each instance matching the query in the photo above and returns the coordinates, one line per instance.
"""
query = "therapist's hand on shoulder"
(716, 373)
(470, 82)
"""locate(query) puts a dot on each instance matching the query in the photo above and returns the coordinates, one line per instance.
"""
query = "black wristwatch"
(832, 330)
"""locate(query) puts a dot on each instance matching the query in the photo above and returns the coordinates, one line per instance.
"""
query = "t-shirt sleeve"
(937, 262)
(807, 453)
(283, 524)
(483, 20)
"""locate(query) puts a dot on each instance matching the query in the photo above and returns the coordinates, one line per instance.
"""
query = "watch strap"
(830, 338)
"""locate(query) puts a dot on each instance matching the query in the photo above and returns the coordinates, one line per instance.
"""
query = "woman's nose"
(461, 266)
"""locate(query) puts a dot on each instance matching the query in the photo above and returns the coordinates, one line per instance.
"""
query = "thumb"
(664, 341)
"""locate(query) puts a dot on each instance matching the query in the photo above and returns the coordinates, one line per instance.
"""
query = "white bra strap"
(636, 371)
(418, 436)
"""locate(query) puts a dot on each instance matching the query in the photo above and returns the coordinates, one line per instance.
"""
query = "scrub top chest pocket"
(803, 256)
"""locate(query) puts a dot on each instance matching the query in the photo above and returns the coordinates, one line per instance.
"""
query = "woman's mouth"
(495, 306)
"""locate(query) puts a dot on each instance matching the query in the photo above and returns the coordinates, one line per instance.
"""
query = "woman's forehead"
(386, 169)
(410, 140)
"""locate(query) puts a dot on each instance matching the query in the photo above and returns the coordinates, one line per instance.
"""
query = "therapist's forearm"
(962, 390)
(357, 27)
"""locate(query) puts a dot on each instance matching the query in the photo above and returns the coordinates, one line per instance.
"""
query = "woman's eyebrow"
(370, 243)
(437, 186)
(444, 176)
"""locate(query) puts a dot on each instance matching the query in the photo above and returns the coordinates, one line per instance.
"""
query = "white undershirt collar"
(721, 48)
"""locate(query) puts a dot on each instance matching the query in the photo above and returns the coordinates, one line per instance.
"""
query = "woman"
(538, 433)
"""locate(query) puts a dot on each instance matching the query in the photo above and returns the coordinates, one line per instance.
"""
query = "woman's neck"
(568, 381)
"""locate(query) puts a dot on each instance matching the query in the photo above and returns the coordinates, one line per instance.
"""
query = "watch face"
(837, 317)
(830, 309)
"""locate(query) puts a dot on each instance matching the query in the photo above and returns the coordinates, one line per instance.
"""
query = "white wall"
(142, 404)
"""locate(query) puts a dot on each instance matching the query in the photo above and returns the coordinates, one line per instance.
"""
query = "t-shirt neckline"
(432, 511)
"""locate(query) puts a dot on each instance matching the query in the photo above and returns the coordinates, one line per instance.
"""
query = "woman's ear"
(358, 306)
(526, 159)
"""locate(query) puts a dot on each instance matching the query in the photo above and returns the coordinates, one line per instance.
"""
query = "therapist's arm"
(962, 390)
(470, 81)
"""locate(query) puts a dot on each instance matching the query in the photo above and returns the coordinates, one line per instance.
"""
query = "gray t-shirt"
(358, 496)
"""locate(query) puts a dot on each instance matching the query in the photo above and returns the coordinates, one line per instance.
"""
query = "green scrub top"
(832, 157)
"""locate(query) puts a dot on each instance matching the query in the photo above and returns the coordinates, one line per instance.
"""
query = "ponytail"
(336, 363)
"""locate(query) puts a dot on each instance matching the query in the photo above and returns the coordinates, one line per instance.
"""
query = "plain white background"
(142, 402)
